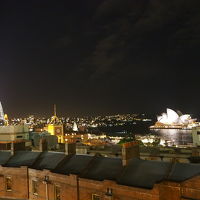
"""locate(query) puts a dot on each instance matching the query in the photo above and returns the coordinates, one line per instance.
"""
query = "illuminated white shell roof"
(171, 117)
(185, 118)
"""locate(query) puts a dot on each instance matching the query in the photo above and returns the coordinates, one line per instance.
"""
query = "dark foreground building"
(57, 176)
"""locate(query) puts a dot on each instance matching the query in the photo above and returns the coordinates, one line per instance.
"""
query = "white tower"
(75, 127)
(1, 113)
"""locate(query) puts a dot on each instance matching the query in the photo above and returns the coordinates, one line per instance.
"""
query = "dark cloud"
(100, 56)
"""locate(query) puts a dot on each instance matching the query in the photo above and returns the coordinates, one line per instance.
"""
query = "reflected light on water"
(174, 136)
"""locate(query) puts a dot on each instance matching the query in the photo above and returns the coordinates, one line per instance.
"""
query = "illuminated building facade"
(57, 130)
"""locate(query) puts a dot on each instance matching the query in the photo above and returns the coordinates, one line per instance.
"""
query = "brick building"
(66, 176)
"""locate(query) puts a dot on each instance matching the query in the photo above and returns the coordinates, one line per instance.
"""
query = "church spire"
(54, 118)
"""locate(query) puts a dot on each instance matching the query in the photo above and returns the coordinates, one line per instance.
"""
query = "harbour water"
(174, 136)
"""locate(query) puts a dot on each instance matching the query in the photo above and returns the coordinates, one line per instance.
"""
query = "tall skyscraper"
(1, 112)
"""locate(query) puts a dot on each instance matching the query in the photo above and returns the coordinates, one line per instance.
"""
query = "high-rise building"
(11, 133)
(1, 113)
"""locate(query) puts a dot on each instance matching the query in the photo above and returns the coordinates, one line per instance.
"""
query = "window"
(185, 198)
(96, 197)
(57, 192)
(109, 192)
(8, 182)
(35, 187)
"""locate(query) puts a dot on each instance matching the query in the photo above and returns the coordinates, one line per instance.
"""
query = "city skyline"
(61, 114)
(99, 57)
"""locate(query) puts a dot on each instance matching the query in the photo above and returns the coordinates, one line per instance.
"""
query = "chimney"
(17, 146)
(70, 148)
(130, 150)
(12, 148)
(43, 145)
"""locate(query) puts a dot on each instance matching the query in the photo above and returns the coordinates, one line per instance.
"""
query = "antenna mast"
(54, 108)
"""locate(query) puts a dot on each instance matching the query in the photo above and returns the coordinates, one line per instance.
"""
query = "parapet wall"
(20, 128)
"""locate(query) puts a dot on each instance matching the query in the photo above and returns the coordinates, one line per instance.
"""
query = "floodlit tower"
(1, 112)
(55, 127)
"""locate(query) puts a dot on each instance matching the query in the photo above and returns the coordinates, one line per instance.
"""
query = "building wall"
(13, 132)
(46, 190)
(19, 182)
(72, 188)
(169, 190)
(120, 192)
(191, 188)
(20, 128)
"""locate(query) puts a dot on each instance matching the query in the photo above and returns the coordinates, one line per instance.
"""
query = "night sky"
(94, 57)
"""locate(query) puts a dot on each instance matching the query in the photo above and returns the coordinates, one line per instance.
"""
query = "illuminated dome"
(172, 118)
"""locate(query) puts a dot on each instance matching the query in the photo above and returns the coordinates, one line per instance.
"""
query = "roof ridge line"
(122, 171)
(36, 160)
(66, 158)
(97, 155)
(170, 170)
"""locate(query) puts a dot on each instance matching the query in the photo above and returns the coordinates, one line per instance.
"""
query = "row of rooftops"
(138, 173)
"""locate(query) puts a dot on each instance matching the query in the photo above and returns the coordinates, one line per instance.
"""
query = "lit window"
(8, 182)
(96, 197)
(35, 187)
(57, 192)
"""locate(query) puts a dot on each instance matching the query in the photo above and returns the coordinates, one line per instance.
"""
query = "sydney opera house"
(172, 119)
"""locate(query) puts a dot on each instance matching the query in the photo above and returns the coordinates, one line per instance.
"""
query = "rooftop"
(138, 173)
